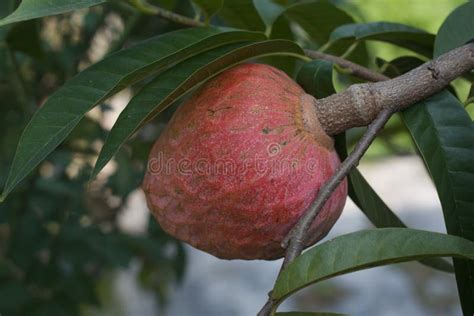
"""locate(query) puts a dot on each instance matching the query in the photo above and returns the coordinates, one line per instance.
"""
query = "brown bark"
(360, 103)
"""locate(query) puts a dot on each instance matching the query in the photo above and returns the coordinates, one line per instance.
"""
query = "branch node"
(434, 71)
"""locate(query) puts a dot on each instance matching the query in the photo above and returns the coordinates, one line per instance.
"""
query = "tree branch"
(383, 98)
(361, 103)
(147, 8)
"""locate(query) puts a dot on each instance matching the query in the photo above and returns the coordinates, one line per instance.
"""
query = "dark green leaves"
(318, 19)
(209, 7)
(457, 29)
(64, 109)
(32, 9)
(366, 249)
(172, 84)
(444, 134)
(241, 14)
(316, 78)
(398, 34)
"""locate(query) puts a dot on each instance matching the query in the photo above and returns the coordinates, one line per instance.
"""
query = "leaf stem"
(355, 69)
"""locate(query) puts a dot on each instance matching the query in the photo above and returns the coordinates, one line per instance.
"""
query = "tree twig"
(295, 240)
(355, 69)
(147, 8)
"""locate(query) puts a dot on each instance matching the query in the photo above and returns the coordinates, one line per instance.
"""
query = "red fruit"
(239, 163)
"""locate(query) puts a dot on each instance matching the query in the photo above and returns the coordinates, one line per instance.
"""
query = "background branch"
(354, 69)
(147, 8)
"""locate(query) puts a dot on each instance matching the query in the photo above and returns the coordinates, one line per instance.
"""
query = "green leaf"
(282, 30)
(241, 14)
(316, 78)
(317, 18)
(209, 7)
(64, 109)
(32, 9)
(268, 10)
(366, 249)
(174, 83)
(307, 314)
(444, 135)
(456, 30)
(398, 66)
(398, 34)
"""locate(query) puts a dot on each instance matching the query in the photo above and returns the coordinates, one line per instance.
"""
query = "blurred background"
(73, 247)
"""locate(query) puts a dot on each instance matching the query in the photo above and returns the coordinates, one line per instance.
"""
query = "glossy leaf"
(269, 10)
(241, 14)
(398, 34)
(174, 83)
(444, 135)
(209, 7)
(62, 112)
(32, 9)
(366, 249)
(317, 18)
(316, 78)
(456, 30)
(282, 30)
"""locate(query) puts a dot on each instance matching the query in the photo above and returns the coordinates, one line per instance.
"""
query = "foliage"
(60, 234)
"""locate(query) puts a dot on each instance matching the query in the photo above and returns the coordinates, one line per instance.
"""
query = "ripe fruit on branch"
(239, 163)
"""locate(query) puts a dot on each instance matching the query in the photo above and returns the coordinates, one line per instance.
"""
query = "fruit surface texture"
(239, 163)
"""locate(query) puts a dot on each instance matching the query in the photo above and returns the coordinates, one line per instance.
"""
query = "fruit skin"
(259, 123)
